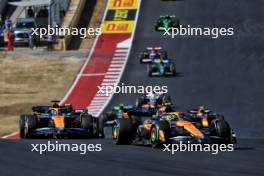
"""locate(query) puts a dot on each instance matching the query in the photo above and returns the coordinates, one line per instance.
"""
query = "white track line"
(122, 55)
(94, 107)
(93, 74)
(113, 73)
(117, 62)
(107, 84)
(100, 98)
(101, 95)
(111, 76)
(109, 80)
(115, 69)
(119, 58)
(122, 50)
(116, 65)
(10, 135)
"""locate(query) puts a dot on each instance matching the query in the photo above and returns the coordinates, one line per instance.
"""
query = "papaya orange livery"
(58, 121)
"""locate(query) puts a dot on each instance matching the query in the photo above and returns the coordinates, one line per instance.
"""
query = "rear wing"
(155, 48)
(40, 109)
(164, 16)
(195, 111)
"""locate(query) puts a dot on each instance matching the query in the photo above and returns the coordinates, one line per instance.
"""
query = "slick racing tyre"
(141, 58)
(165, 55)
(87, 124)
(173, 70)
(123, 132)
(222, 129)
(151, 69)
(30, 124)
(158, 134)
(140, 101)
(170, 70)
(219, 117)
(96, 130)
(21, 126)
(102, 120)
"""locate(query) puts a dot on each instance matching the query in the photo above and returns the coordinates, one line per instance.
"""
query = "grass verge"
(32, 81)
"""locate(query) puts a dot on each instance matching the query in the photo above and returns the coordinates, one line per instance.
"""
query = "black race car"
(151, 54)
(145, 105)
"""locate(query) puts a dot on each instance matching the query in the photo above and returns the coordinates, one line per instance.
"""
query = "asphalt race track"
(129, 161)
(225, 74)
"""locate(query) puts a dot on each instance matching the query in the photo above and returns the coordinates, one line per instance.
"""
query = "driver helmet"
(55, 112)
(201, 112)
(152, 98)
(151, 95)
(201, 109)
(161, 110)
(152, 54)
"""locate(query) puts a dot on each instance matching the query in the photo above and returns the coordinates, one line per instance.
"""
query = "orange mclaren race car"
(58, 122)
(170, 127)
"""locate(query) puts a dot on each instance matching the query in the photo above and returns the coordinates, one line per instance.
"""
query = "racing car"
(58, 121)
(171, 127)
(168, 22)
(151, 54)
(154, 100)
(146, 105)
(161, 68)
(203, 117)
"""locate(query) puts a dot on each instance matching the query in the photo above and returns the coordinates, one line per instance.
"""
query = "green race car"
(161, 68)
(168, 22)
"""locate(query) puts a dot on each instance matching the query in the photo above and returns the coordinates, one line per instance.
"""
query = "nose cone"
(60, 130)
(59, 122)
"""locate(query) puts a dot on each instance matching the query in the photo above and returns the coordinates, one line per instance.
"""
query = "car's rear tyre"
(166, 99)
(150, 74)
(96, 130)
(157, 28)
(219, 117)
(21, 126)
(140, 101)
(141, 59)
(123, 132)
(165, 54)
(87, 124)
(30, 125)
(222, 129)
(102, 120)
(173, 69)
(155, 133)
